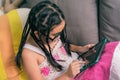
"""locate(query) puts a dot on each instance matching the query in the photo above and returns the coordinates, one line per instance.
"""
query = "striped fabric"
(10, 35)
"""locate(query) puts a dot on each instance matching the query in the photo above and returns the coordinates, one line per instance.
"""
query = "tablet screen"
(93, 54)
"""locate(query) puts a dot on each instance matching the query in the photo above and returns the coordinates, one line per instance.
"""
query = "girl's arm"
(72, 71)
(63, 77)
(30, 65)
(80, 49)
(9, 6)
(17, 3)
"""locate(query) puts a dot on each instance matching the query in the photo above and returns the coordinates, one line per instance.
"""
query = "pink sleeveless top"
(59, 53)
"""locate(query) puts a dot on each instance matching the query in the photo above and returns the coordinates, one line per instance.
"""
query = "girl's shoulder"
(33, 52)
(34, 49)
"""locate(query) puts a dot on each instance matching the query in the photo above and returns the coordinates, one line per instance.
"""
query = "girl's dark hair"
(42, 18)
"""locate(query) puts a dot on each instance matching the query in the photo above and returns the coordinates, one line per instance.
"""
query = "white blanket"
(115, 66)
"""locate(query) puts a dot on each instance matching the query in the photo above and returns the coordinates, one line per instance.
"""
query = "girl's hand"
(9, 7)
(74, 68)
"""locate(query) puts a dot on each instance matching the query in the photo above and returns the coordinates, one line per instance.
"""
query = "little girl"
(44, 49)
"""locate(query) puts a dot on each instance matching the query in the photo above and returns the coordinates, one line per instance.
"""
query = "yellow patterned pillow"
(10, 35)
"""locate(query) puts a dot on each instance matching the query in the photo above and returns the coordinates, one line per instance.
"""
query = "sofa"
(88, 21)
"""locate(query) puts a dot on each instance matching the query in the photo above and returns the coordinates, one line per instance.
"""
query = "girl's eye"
(57, 34)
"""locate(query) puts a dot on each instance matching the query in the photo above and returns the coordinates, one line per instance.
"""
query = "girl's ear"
(36, 34)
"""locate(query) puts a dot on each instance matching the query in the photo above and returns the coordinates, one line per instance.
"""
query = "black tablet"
(92, 56)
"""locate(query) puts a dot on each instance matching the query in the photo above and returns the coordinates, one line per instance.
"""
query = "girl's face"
(56, 31)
